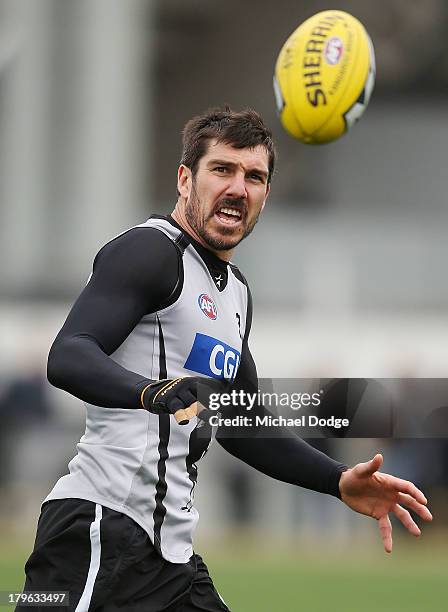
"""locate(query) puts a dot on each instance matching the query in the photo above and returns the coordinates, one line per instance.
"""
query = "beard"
(227, 239)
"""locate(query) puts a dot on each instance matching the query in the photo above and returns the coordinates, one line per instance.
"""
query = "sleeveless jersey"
(142, 464)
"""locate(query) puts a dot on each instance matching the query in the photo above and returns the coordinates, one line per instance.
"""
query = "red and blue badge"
(208, 306)
(333, 50)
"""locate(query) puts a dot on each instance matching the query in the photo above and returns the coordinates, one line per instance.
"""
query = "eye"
(221, 169)
(256, 177)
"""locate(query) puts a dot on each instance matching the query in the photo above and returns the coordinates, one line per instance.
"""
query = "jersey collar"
(217, 267)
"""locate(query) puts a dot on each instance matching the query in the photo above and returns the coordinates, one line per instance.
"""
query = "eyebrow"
(223, 162)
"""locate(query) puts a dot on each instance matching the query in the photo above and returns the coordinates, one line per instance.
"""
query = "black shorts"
(108, 563)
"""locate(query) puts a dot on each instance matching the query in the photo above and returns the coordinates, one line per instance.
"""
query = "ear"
(268, 189)
(184, 181)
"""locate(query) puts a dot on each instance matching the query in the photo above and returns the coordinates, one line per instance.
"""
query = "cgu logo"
(213, 358)
(207, 305)
(224, 363)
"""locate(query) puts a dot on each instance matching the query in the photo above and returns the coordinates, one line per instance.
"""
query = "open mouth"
(229, 216)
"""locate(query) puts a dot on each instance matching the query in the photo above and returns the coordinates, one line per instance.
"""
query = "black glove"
(178, 396)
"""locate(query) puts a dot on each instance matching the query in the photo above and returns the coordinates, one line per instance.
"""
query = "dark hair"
(238, 129)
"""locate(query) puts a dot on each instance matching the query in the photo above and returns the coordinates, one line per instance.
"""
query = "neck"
(179, 216)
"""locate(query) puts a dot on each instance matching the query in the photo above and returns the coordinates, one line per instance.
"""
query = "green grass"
(299, 579)
(311, 579)
(267, 585)
(11, 569)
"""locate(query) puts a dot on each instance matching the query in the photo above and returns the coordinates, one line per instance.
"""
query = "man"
(163, 310)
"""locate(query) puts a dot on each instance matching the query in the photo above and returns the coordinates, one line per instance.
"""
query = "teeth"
(230, 211)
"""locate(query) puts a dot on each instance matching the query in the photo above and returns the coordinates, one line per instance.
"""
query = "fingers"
(377, 462)
(414, 505)
(181, 417)
(406, 519)
(386, 532)
(184, 415)
(186, 396)
(179, 404)
(369, 467)
(192, 410)
(184, 407)
(404, 486)
(401, 486)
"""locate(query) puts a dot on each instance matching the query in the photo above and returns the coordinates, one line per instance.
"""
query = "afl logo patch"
(208, 307)
(333, 51)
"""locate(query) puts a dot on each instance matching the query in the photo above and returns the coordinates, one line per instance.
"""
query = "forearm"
(79, 365)
(281, 454)
(274, 451)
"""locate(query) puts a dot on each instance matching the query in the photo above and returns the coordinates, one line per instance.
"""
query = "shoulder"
(143, 262)
(139, 244)
(142, 267)
(239, 275)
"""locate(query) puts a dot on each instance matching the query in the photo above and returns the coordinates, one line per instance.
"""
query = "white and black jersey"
(144, 464)
(159, 305)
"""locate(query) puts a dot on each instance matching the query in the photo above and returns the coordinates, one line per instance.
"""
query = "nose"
(237, 186)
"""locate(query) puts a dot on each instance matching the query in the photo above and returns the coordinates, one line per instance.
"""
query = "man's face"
(227, 194)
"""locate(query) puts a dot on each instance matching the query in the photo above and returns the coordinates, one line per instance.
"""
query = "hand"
(176, 396)
(370, 492)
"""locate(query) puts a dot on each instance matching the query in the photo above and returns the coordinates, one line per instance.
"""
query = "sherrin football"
(324, 77)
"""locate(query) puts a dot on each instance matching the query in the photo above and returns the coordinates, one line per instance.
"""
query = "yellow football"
(324, 77)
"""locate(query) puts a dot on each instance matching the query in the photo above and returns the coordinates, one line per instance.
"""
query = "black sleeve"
(276, 451)
(135, 274)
